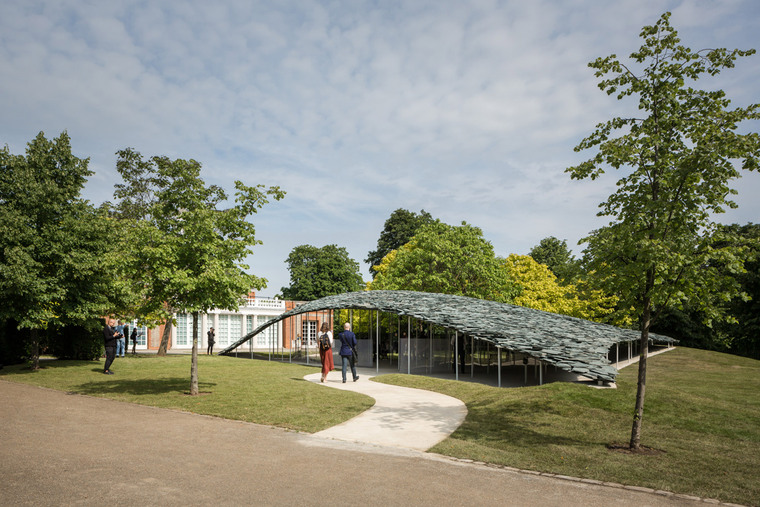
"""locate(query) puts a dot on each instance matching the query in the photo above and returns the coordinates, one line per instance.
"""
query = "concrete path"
(63, 449)
(401, 417)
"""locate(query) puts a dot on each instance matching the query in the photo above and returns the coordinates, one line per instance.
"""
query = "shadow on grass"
(142, 387)
(495, 424)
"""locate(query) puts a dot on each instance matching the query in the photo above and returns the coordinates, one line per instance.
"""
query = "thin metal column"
(377, 343)
(540, 373)
(430, 348)
(408, 345)
(498, 351)
(456, 353)
(306, 336)
(472, 357)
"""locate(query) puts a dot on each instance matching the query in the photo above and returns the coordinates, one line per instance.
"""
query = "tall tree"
(53, 250)
(400, 227)
(558, 258)
(540, 289)
(679, 156)
(319, 272)
(188, 245)
(448, 260)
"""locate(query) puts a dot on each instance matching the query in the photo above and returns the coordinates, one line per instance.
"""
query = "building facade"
(229, 326)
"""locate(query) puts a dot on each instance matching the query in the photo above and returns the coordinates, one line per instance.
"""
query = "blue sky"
(469, 110)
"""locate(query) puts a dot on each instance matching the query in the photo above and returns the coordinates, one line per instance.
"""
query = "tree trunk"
(642, 380)
(165, 338)
(194, 360)
(35, 352)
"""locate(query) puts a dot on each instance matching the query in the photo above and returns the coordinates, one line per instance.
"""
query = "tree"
(445, 259)
(187, 250)
(319, 272)
(539, 289)
(737, 329)
(679, 157)
(54, 263)
(557, 257)
(400, 227)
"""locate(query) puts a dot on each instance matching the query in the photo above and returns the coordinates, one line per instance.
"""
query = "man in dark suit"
(110, 335)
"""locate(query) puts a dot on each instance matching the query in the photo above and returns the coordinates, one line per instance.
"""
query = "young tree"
(400, 227)
(54, 258)
(679, 157)
(187, 248)
(448, 260)
(319, 272)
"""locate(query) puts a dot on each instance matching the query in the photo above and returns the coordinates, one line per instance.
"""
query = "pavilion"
(571, 344)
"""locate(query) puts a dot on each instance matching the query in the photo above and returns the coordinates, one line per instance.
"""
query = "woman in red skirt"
(325, 350)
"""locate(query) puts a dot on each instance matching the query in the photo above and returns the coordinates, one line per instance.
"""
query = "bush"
(13, 343)
(83, 342)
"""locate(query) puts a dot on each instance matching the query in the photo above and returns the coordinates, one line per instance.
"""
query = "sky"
(468, 110)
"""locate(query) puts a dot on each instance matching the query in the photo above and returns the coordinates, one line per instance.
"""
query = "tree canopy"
(540, 289)
(54, 253)
(318, 272)
(448, 260)
(558, 258)
(679, 154)
(399, 228)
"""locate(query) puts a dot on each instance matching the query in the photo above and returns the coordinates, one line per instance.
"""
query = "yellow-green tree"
(540, 289)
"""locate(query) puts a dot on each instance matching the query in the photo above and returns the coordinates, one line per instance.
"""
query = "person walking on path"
(110, 337)
(325, 351)
(211, 342)
(347, 347)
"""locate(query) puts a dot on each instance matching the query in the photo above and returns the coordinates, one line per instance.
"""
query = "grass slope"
(701, 408)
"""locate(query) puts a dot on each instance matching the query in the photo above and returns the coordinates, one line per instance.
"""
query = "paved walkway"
(63, 449)
(401, 417)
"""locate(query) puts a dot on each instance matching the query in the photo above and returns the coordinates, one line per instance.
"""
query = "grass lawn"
(256, 391)
(702, 410)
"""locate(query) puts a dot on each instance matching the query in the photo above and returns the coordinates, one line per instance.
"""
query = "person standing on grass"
(325, 351)
(134, 340)
(125, 331)
(120, 340)
(210, 335)
(348, 343)
(110, 337)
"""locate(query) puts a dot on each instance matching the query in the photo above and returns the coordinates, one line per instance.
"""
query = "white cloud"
(468, 110)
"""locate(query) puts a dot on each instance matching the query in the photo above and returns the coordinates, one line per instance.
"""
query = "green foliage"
(679, 155)
(400, 227)
(737, 328)
(14, 343)
(319, 272)
(83, 342)
(54, 258)
(540, 290)
(557, 257)
(448, 260)
(182, 248)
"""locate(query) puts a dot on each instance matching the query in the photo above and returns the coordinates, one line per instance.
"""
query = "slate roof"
(572, 344)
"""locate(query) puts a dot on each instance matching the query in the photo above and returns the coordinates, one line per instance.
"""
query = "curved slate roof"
(572, 344)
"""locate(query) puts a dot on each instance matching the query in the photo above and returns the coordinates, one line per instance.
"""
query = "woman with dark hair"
(325, 350)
